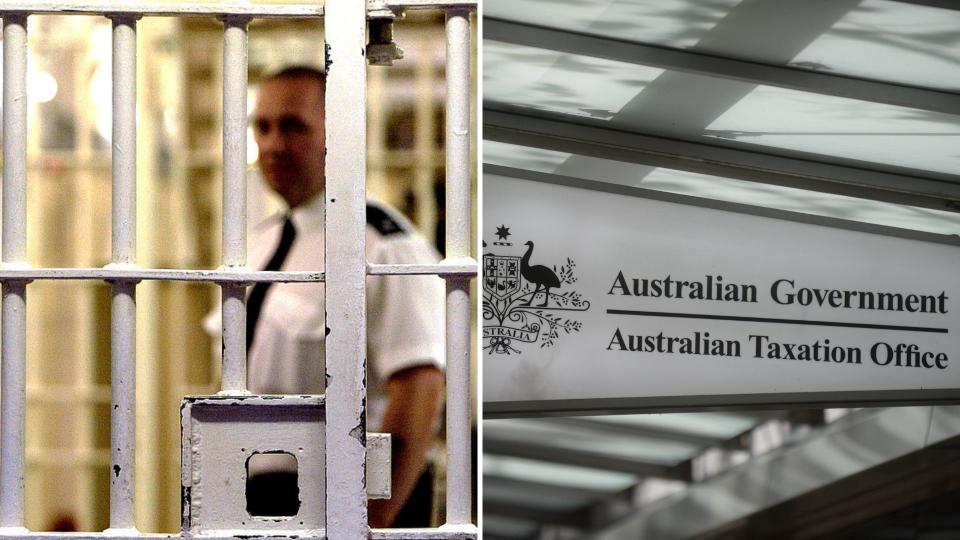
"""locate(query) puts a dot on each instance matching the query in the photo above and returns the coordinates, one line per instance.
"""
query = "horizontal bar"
(535, 129)
(430, 4)
(737, 403)
(223, 9)
(451, 532)
(260, 400)
(443, 533)
(139, 274)
(227, 276)
(112, 7)
(452, 269)
(688, 61)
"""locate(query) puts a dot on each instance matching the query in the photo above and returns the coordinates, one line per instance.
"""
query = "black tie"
(255, 302)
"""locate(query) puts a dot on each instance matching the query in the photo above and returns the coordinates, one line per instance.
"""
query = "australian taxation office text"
(783, 292)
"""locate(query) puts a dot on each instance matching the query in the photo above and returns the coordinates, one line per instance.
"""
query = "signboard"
(596, 301)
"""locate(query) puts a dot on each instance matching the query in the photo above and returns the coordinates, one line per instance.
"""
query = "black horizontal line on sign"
(776, 321)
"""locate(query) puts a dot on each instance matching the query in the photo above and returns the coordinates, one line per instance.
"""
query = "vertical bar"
(458, 135)
(345, 288)
(14, 351)
(234, 201)
(123, 313)
(234, 340)
(123, 433)
(458, 247)
(124, 140)
(15, 137)
(458, 402)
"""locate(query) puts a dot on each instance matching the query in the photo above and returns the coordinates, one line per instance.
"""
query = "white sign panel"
(599, 301)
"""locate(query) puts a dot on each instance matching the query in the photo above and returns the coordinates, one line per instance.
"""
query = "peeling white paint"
(223, 432)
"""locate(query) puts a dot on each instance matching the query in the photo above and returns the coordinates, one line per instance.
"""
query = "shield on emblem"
(501, 275)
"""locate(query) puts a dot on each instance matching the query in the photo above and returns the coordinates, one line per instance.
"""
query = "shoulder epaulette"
(381, 221)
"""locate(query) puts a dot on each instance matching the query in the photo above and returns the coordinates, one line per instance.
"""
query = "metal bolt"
(382, 51)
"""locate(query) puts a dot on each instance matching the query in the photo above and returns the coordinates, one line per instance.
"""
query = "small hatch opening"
(273, 488)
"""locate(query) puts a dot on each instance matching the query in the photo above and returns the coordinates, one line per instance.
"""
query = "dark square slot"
(272, 488)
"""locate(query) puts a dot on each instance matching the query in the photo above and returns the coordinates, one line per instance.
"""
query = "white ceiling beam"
(534, 489)
(526, 127)
(601, 428)
(595, 460)
(830, 84)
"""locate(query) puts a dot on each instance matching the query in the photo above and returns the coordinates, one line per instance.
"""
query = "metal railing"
(345, 272)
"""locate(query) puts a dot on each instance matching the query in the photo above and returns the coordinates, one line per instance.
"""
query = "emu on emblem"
(501, 275)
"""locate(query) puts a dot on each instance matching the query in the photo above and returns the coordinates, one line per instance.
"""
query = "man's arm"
(413, 405)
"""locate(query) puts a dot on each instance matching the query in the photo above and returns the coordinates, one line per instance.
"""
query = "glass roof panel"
(645, 450)
(716, 425)
(710, 109)
(559, 82)
(875, 39)
(722, 189)
(556, 474)
(846, 128)
(892, 41)
(675, 23)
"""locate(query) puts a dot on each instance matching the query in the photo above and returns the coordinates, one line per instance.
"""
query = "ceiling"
(852, 98)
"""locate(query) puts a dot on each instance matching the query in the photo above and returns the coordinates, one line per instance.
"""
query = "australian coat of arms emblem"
(525, 303)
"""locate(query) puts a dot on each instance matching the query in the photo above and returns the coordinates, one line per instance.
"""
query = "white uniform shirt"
(405, 325)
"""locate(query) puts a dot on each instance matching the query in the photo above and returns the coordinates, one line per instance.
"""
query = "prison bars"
(346, 305)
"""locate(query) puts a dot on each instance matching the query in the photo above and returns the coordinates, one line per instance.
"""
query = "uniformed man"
(285, 322)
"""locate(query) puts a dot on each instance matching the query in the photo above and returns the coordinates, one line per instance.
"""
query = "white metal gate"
(345, 272)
